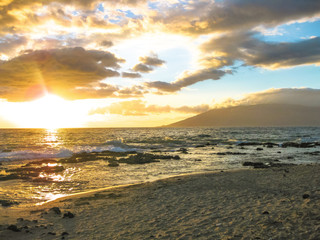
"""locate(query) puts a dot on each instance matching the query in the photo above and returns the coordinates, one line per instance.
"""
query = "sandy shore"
(273, 203)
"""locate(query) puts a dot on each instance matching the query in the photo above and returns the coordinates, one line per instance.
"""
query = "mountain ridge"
(260, 115)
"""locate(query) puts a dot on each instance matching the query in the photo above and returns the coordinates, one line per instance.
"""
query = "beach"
(274, 203)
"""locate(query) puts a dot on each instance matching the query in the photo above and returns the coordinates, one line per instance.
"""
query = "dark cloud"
(106, 43)
(151, 60)
(255, 52)
(188, 78)
(131, 75)
(143, 68)
(139, 108)
(200, 17)
(59, 71)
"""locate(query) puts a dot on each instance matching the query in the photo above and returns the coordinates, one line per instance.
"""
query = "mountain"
(261, 115)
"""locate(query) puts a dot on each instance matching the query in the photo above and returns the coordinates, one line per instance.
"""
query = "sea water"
(206, 149)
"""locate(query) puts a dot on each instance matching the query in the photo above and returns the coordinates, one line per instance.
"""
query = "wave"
(113, 146)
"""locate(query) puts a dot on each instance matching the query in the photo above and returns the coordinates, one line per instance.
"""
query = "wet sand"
(273, 203)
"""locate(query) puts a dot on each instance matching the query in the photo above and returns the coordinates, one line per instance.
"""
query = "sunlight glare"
(50, 112)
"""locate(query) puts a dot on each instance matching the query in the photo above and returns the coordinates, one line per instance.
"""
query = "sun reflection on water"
(51, 138)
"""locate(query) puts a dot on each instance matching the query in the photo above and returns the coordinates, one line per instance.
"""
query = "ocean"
(39, 165)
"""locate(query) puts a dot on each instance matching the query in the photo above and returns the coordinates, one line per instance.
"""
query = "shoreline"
(243, 203)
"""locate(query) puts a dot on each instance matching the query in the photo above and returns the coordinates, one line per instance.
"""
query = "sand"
(273, 203)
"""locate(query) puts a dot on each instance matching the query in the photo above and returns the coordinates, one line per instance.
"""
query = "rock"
(183, 150)
(204, 135)
(8, 203)
(64, 233)
(259, 149)
(113, 164)
(6, 150)
(20, 219)
(265, 213)
(176, 157)
(300, 145)
(14, 228)
(51, 233)
(305, 196)
(40, 162)
(255, 164)
(230, 153)
(56, 210)
(249, 144)
(68, 215)
(278, 152)
(200, 146)
(197, 160)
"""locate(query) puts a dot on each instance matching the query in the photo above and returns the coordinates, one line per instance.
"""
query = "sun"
(49, 111)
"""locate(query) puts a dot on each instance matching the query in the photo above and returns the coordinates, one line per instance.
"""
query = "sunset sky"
(139, 63)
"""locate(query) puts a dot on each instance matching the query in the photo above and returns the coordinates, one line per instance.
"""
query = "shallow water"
(209, 149)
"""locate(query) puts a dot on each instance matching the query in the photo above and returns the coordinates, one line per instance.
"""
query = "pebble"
(56, 210)
(14, 228)
(68, 215)
(305, 196)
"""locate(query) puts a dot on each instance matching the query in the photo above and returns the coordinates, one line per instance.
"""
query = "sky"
(139, 63)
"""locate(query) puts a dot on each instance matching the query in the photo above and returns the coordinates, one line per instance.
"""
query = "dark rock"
(68, 215)
(94, 156)
(64, 233)
(14, 228)
(204, 135)
(197, 160)
(176, 157)
(183, 150)
(299, 145)
(230, 153)
(290, 157)
(9, 177)
(6, 150)
(56, 210)
(200, 146)
(259, 149)
(249, 144)
(113, 164)
(8, 203)
(265, 212)
(278, 152)
(51, 233)
(20, 219)
(35, 221)
(255, 164)
(40, 162)
(305, 196)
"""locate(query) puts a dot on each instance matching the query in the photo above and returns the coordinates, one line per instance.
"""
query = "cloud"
(59, 71)
(296, 96)
(187, 79)
(143, 68)
(152, 60)
(131, 75)
(245, 47)
(139, 108)
(202, 17)
(129, 92)
(106, 43)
